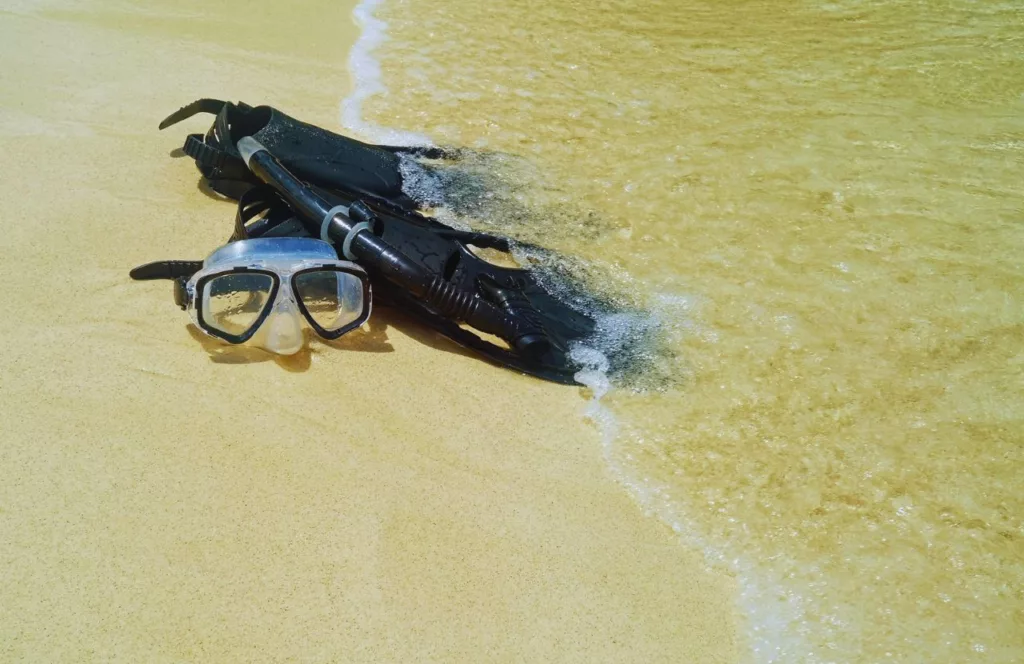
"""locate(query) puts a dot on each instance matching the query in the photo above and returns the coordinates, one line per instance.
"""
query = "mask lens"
(232, 303)
(332, 299)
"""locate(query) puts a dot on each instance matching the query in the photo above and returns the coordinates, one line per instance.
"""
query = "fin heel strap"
(204, 154)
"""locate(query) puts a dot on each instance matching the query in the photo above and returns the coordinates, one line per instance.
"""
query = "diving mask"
(259, 292)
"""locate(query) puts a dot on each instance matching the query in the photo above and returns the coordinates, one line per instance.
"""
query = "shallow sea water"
(821, 205)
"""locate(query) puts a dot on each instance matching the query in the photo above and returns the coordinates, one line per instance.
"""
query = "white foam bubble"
(368, 81)
(419, 184)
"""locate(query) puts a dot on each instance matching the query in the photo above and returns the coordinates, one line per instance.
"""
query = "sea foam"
(367, 81)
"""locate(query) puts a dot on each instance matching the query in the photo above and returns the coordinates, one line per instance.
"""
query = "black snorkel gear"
(292, 179)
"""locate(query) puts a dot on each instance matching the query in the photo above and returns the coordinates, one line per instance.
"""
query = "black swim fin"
(316, 155)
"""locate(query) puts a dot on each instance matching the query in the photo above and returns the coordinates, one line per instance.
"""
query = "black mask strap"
(179, 271)
(165, 270)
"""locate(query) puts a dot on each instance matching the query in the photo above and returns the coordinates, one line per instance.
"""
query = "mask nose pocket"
(283, 329)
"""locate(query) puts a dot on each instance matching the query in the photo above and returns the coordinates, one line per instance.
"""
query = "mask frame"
(194, 299)
(284, 260)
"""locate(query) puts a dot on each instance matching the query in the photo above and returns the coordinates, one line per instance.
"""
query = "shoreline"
(385, 498)
(367, 81)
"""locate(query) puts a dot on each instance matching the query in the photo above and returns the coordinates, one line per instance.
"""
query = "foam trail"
(773, 612)
(367, 81)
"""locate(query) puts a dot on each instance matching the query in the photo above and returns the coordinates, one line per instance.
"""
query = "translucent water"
(819, 205)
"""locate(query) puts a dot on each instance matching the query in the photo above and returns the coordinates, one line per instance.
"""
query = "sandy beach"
(386, 498)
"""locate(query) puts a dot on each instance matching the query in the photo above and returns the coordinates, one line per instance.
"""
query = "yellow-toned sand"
(389, 499)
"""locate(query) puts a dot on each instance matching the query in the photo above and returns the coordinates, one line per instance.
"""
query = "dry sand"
(388, 499)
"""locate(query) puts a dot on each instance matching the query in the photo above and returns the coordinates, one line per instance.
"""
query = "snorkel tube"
(351, 228)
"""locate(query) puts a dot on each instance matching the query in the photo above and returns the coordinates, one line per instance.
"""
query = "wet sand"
(386, 499)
